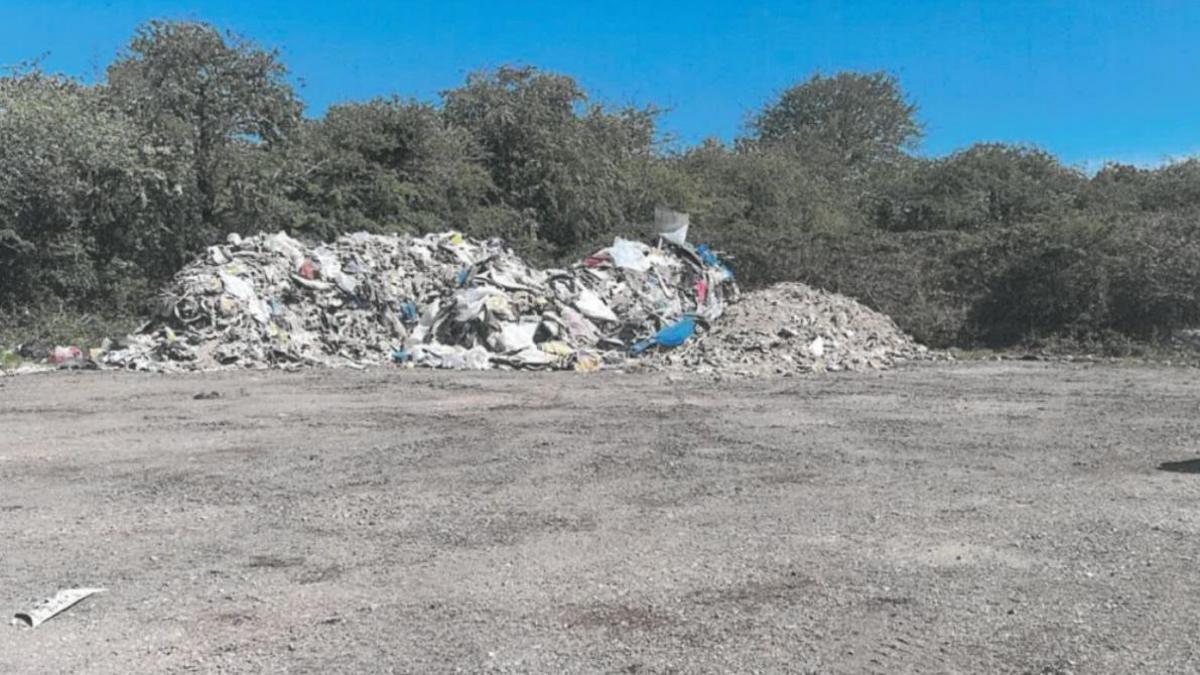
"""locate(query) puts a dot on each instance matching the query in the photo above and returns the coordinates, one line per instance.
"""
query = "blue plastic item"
(710, 259)
(409, 311)
(677, 333)
(400, 356)
(463, 274)
(639, 347)
(668, 336)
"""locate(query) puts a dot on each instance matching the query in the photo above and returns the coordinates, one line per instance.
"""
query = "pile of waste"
(791, 327)
(446, 301)
(439, 300)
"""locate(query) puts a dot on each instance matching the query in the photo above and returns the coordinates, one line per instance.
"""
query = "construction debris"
(791, 328)
(440, 300)
(446, 301)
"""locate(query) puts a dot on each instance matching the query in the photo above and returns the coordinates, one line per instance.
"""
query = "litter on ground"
(51, 607)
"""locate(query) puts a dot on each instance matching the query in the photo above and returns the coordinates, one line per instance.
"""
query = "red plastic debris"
(596, 259)
(308, 270)
(62, 355)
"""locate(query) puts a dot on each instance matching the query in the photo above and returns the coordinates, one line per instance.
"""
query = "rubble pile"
(446, 301)
(791, 327)
(440, 300)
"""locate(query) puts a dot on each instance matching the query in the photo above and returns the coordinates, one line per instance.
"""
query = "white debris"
(439, 300)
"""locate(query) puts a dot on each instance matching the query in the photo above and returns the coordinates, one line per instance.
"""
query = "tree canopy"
(206, 101)
(849, 119)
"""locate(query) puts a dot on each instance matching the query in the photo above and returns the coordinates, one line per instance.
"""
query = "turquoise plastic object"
(669, 336)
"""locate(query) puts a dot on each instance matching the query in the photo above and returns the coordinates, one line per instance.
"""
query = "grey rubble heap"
(442, 300)
(791, 327)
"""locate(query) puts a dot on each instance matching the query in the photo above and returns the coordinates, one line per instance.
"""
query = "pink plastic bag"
(62, 355)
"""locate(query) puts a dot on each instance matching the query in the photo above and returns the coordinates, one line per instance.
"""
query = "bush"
(986, 186)
(1030, 282)
(1155, 281)
(565, 164)
(385, 165)
(1077, 280)
(77, 223)
(1135, 275)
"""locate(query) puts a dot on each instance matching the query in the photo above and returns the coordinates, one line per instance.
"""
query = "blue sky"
(1087, 80)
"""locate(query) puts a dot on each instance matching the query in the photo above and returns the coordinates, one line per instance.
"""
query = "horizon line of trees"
(107, 189)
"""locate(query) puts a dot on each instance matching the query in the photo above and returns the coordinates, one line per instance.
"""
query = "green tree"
(388, 164)
(768, 189)
(75, 218)
(1172, 187)
(986, 185)
(560, 162)
(846, 122)
(207, 101)
(1116, 187)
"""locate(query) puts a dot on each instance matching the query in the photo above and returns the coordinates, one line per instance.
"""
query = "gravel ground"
(988, 517)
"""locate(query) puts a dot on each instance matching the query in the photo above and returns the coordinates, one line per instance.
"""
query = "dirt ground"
(995, 517)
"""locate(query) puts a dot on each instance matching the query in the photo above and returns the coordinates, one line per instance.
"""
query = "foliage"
(566, 165)
(386, 165)
(212, 108)
(769, 188)
(1173, 187)
(848, 121)
(985, 186)
(908, 276)
(75, 221)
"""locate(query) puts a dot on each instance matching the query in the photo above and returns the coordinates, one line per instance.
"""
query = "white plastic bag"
(628, 255)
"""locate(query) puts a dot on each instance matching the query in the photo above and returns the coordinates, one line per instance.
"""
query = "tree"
(388, 164)
(986, 185)
(75, 222)
(565, 165)
(769, 191)
(1174, 186)
(205, 97)
(847, 121)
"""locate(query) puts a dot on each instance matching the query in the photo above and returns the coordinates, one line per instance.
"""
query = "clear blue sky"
(1088, 79)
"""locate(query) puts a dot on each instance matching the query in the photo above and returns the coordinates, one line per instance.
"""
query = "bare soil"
(987, 517)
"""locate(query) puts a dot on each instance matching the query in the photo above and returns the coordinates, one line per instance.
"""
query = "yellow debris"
(587, 363)
(499, 306)
(557, 348)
